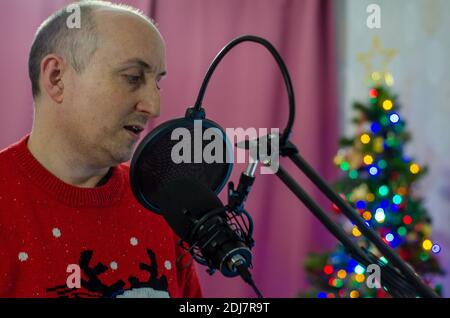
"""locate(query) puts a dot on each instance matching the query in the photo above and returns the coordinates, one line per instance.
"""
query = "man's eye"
(133, 79)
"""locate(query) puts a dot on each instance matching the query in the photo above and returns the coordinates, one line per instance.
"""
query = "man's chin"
(122, 156)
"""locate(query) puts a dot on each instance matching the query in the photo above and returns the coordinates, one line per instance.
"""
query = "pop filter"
(156, 161)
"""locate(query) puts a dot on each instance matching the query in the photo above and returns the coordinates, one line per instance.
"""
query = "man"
(69, 223)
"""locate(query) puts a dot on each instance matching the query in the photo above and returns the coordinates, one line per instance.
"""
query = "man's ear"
(52, 70)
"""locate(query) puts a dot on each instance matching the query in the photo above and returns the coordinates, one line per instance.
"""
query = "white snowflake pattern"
(23, 256)
(56, 232)
(133, 241)
(168, 265)
(113, 265)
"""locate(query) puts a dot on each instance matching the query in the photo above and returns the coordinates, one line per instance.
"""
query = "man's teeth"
(134, 129)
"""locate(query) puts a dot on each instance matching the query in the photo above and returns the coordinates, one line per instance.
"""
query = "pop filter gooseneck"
(287, 79)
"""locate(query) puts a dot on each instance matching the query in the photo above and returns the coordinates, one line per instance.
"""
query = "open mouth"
(136, 130)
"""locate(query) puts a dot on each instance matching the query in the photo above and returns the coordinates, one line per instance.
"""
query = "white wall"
(420, 32)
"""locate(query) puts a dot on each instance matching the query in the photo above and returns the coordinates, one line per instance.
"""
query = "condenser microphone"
(199, 218)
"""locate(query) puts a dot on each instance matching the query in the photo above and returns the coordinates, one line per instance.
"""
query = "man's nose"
(149, 102)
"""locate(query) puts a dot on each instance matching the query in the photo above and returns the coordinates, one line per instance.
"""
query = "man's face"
(117, 90)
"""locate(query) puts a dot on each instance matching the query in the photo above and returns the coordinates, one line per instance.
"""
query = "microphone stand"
(399, 281)
(397, 277)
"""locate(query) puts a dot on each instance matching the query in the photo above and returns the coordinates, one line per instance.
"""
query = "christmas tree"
(377, 179)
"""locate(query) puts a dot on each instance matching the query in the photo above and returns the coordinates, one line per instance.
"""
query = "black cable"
(287, 80)
(247, 277)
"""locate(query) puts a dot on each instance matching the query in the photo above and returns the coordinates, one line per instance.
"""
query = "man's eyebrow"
(140, 63)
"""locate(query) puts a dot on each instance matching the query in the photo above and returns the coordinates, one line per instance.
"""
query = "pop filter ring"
(153, 138)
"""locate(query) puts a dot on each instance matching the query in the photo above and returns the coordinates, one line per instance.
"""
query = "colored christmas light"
(402, 191)
(368, 159)
(380, 215)
(389, 237)
(375, 127)
(378, 145)
(383, 190)
(344, 166)
(354, 294)
(436, 248)
(322, 295)
(338, 159)
(373, 171)
(328, 269)
(397, 199)
(407, 219)
(394, 118)
(338, 283)
(427, 245)
(335, 282)
(351, 265)
(370, 197)
(360, 278)
(359, 269)
(394, 208)
(360, 204)
(382, 164)
(401, 231)
(356, 232)
(376, 76)
(414, 168)
(424, 256)
(388, 79)
(387, 104)
(353, 174)
(365, 138)
(367, 215)
(373, 93)
(342, 274)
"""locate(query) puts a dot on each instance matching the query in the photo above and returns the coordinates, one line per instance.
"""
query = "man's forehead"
(125, 26)
(130, 41)
(115, 19)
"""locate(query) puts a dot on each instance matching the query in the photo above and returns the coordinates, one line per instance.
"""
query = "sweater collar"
(102, 196)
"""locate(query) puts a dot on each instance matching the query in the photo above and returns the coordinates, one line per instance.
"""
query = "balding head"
(75, 45)
(94, 83)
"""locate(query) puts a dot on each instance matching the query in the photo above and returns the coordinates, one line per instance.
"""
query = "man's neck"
(58, 158)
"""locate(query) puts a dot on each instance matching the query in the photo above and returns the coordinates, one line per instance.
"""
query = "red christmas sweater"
(51, 233)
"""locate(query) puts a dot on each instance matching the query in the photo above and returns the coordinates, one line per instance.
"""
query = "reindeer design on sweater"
(154, 287)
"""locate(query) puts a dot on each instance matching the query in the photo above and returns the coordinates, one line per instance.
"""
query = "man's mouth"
(135, 129)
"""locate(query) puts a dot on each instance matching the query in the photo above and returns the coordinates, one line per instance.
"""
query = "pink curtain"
(245, 91)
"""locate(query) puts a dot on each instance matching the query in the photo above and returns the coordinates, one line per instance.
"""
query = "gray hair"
(76, 45)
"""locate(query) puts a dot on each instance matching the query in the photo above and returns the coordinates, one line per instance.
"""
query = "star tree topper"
(376, 73)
